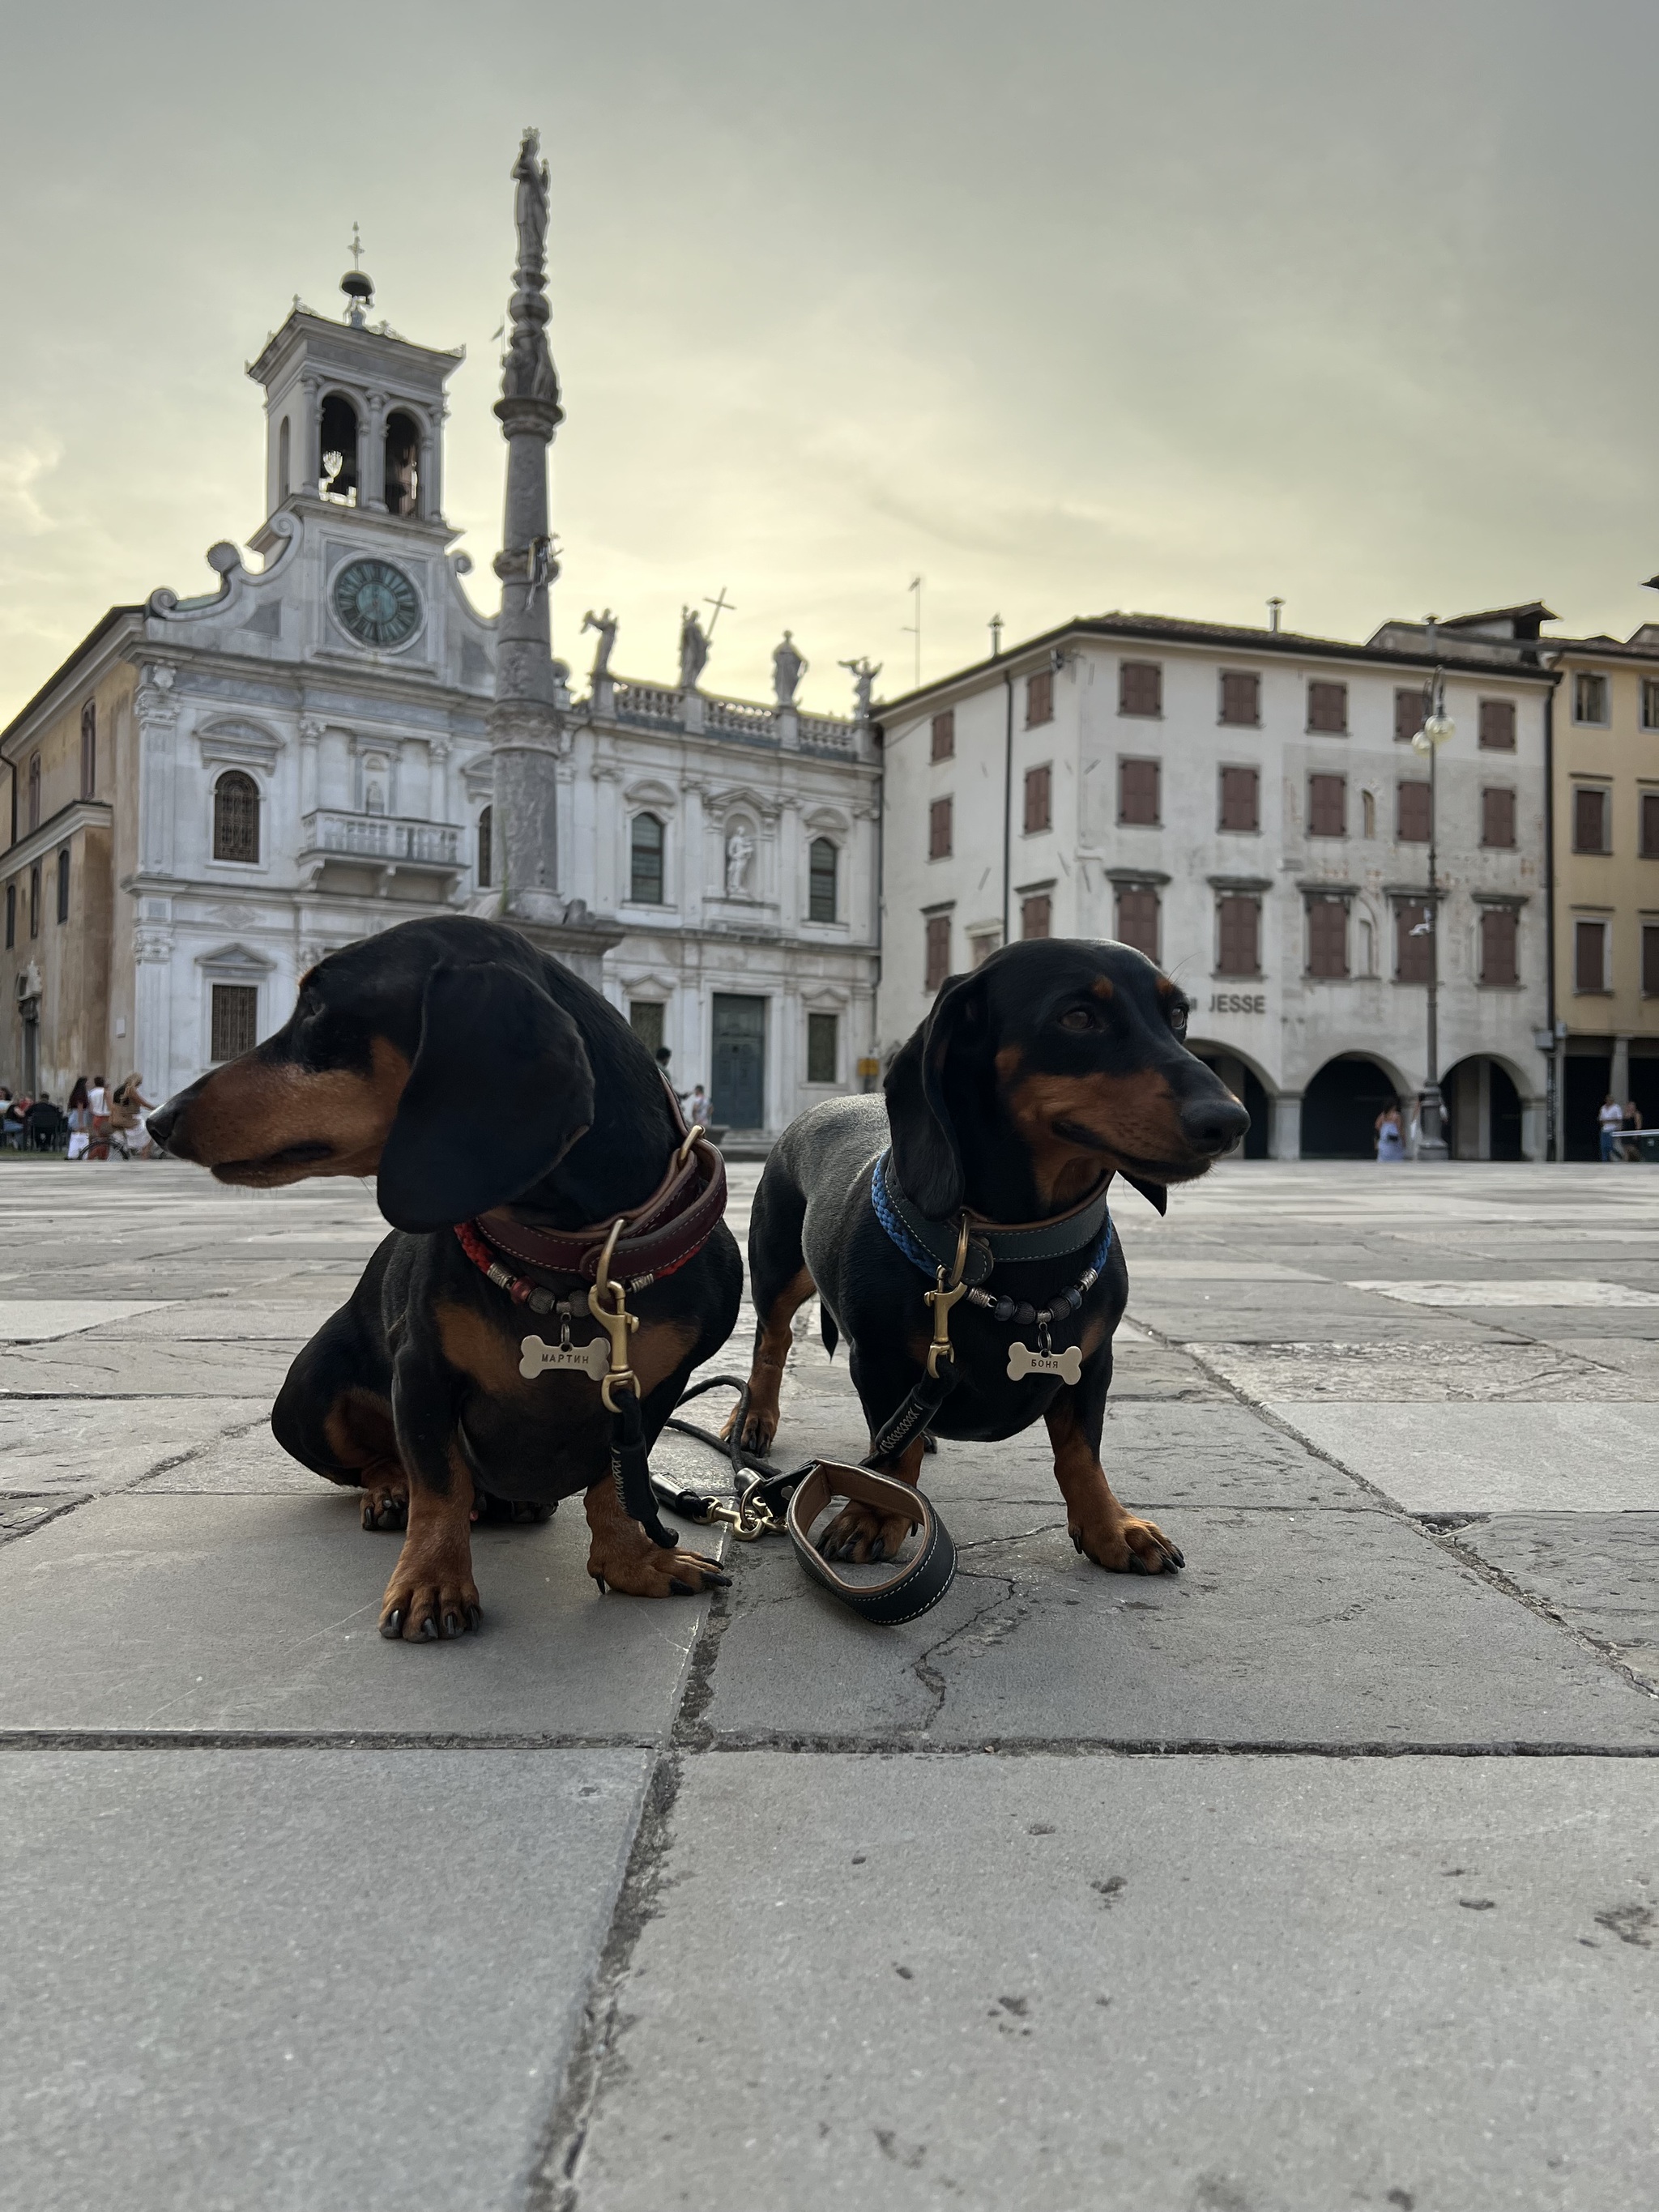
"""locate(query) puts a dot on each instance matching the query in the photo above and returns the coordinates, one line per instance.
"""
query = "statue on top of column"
(527, 371)
(788, 666)
(607, 625)
(694, 649)
(529, 205)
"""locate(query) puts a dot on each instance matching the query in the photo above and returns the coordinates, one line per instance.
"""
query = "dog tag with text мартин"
(538, 1358)
(1067, 1364)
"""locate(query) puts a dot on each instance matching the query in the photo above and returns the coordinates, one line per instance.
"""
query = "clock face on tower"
(376, 602)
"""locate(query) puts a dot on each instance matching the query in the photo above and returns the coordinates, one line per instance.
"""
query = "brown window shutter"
(1498, 817)
(938, 949)
(1241, 698)
(1409, 708)
(1241, 790)
(1239, 935)
(1651, 960)
(1413, 813)
(1414, 959)
(1328, 805)
(1328, 707)
(1137, 919)
(1497, 726)
(940, 830)
(1140, 688)
(1037, 799)
(1589, 954)
(1590, 819)
(1034, 914)
(944, 735)
(1138, 792)
(1327, 937)
(1651, 825)
(1499, 929)
(1039, 698)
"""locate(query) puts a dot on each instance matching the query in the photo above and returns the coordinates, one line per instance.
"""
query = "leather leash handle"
(919, 1583)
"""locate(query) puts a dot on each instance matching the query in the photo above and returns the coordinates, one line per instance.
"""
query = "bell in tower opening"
(339, 449)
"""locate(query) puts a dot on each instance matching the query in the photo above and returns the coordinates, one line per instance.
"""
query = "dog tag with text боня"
(592, 1360)
(1067, 1364)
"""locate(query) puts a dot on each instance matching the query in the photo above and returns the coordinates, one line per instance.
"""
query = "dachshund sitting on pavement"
(1054, 1066)
(527, 1152)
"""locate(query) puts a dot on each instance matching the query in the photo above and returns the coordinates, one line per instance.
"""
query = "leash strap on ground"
(630, 1470)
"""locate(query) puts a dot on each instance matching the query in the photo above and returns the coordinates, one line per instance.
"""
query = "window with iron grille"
(1328, 938)
(823, 865)
(35, 900)
(938, 951)
(1413, 942)
(821, 1041)
(1241, 698)
(645, 855)
(1414, 813)
(1409, 708)
(1238, 934)
(1140, 688)
(1037, 784)
(1651, 960)
(1651, 825)
(1327, 707)
(1328, 805)
(486, 828)
(1590, 819)
(1589, 699)
(944, 735)
(1035, 914)
(939, 829)
(63, 884)
(1241, 799)
(235, 1019)
(646, 1018)
(1497, 726)
(1138, 792)
(1039, 698)
(1590, 956)
(236, 818)
(89, 749)
(1499, 942)
(1137, 918)
(1498, 815)
(1650, 703)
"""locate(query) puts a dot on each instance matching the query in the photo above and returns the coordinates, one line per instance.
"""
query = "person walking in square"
(1611, 1120)
(80, 1120)
(1390, 1137)
(97, 1104)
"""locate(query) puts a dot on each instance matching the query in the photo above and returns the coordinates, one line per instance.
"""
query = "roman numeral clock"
(376, 602)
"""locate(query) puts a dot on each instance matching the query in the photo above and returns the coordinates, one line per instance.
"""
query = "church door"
(739, 1069)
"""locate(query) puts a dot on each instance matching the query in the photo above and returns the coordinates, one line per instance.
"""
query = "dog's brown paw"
(1128, 1546)
(760, 1426)
(862, 1536)
(386, 1504)
(430, 1606)
(652, 1573)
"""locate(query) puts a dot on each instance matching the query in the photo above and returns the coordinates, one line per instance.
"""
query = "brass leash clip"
(941, 1300)
(617, 1323)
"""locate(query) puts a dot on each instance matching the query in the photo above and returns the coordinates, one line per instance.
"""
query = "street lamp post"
(1437, 728)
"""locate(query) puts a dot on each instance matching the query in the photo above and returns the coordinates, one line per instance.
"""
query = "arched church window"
(645, 857)
(821, 861)
(235, 817)
(282, 460)
(486, 826)
(403, 463)
(338, 448)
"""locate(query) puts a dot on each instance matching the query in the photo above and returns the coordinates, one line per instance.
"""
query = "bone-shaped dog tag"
(1067, 1364)
(592, 1360)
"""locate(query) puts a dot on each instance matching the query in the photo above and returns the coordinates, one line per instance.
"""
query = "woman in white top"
(1612, 1120)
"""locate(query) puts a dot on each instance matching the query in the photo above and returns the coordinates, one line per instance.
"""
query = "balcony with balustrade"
(389, 856)
(660, 706)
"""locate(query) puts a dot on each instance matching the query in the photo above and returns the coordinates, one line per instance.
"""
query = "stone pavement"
(1326, 1875)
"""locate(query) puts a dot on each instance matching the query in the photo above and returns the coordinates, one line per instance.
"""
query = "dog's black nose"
(161, 1123)
(1213, 1125)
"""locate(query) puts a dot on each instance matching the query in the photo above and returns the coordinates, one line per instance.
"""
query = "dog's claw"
(393, 1625)
(474, 1616)
(878, 1550)
(452, 1625)
(680, 1588)
(429, 1630)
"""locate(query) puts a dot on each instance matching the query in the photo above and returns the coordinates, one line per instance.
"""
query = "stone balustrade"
(381, 837)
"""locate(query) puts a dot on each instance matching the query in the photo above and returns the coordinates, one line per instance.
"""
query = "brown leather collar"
(674, 1223)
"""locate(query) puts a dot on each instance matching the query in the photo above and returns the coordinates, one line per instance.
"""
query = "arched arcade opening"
(1483, 1110)
(1339, 1108)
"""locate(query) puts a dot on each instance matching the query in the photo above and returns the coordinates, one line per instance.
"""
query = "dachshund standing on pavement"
(528, 1153)
(1051, 1068)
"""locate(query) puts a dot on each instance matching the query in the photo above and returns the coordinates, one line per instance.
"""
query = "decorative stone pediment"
(232, 741)
(652, 792)
(826, 822)
(741, 798)
(235, 964)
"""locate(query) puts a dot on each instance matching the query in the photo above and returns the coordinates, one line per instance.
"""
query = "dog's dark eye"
(1077, 1017)
(1178, 1020)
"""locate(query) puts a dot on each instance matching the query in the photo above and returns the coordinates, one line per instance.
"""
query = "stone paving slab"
(1209, 1983)
(259, 1613)
(1430, 1373)
(1315, 1626)
(296, 1981)
(95, 1445)
(1492, 1458)
(35, 1321)
(98, 1367)
(233, 1320)
(1599, 1571)
(1343, 1317)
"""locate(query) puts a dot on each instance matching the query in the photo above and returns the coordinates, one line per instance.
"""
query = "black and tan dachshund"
(473, 1076)
(1053, 1067)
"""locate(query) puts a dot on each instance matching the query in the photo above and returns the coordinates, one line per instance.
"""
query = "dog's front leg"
(431, 1594)
(1098, 1525)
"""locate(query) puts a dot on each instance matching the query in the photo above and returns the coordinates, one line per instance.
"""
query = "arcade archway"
(1339, 1108)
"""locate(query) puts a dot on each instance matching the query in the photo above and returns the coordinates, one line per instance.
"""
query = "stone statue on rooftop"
(864, 677)
(694, 649)
(788, 666)
(607, 625)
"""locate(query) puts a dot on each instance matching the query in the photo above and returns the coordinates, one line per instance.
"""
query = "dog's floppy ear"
(1154, 1192)
(500, 1090)
(926, 1155)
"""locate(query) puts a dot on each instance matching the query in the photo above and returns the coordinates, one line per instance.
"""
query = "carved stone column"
(152, 1007)
(371, 456)
(157, 710)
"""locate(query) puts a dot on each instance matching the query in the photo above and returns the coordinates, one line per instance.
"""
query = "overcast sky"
(1170, 307)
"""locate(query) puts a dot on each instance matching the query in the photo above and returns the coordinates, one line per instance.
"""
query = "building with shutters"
(1245, 806)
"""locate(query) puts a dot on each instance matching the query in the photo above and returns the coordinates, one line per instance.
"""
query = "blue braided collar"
(930, 1245)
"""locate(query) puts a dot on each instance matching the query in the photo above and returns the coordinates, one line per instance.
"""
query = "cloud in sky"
(1065, 308)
